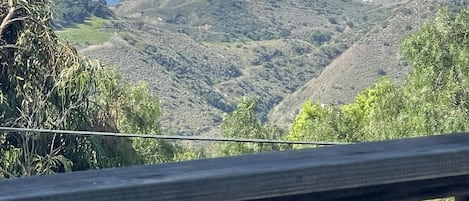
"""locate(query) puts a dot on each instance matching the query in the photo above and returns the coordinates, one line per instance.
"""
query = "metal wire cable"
(166, 137)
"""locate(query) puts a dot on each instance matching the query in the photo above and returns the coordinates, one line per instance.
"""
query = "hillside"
(201, 56)
(375, 55)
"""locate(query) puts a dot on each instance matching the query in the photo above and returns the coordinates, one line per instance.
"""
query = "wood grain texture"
(409, 168)
(462, 198)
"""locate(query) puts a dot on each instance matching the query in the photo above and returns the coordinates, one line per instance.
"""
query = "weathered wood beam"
(462, 198)
(407, 169)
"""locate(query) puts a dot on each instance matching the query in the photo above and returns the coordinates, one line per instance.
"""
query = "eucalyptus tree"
(245, 123)
(45, 84)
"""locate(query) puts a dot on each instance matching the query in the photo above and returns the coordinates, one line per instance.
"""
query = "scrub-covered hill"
(201, 56)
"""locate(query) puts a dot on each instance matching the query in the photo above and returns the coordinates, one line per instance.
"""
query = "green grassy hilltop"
(90, 32)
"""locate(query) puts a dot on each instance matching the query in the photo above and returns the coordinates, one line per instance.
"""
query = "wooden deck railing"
(407, 169)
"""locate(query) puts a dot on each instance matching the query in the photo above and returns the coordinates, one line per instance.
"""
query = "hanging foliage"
(45, 84)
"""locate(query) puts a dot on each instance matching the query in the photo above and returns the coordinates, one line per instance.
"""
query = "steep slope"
(185, 92)
(374, 56)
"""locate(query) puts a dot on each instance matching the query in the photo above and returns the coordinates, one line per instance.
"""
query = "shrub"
(320, 37)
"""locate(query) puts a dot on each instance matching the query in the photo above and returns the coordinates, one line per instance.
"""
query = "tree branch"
(7, 173)
(7, 19)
